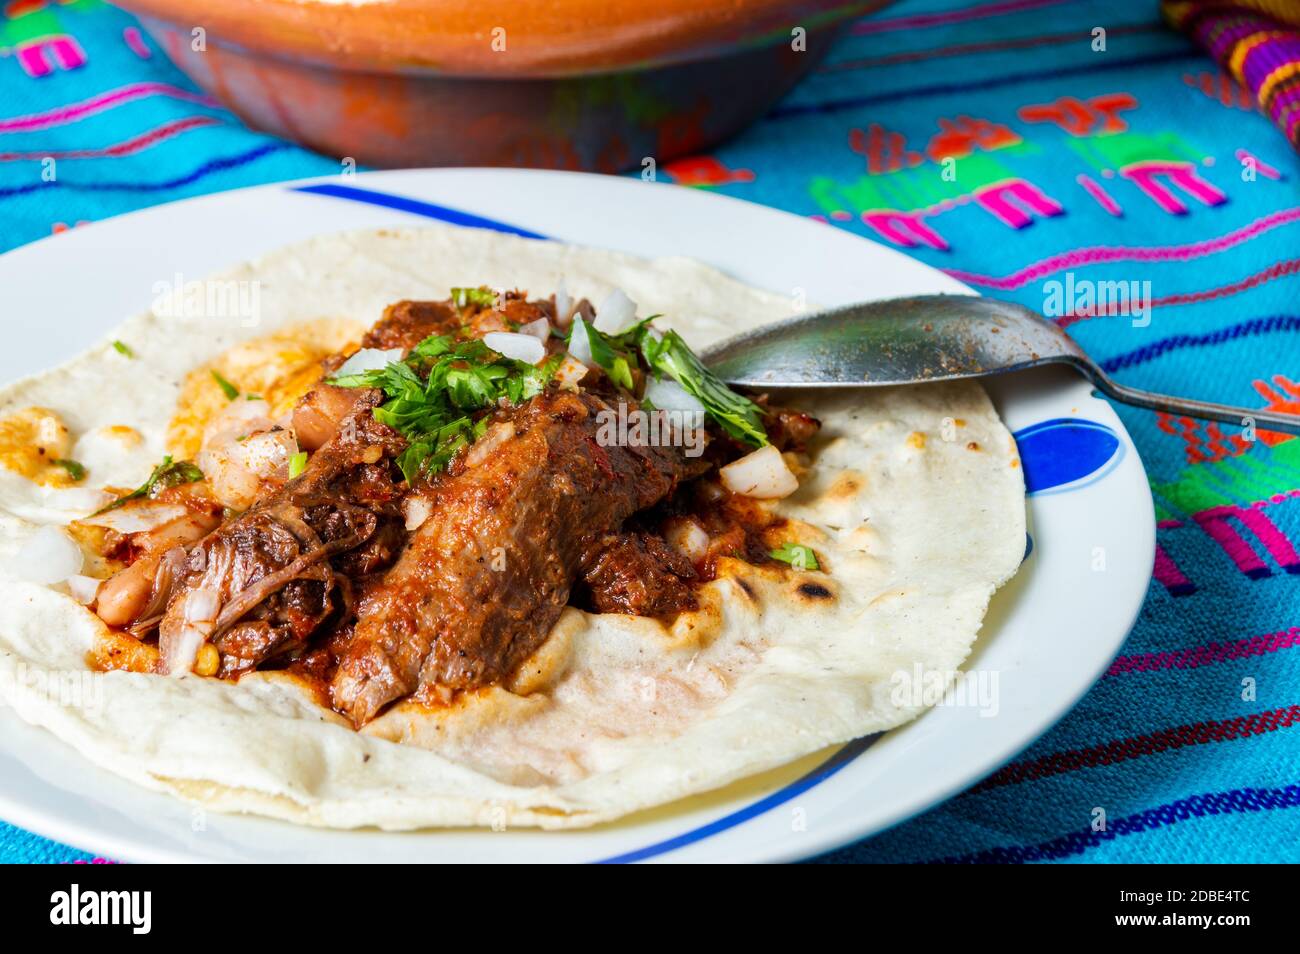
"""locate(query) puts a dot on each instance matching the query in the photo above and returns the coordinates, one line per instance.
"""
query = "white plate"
(1049, 635)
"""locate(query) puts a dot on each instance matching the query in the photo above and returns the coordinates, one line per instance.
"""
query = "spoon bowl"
(933, 338)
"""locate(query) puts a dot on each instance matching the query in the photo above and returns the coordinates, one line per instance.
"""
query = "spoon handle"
(1205, 410)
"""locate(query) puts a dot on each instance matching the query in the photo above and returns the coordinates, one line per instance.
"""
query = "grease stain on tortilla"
(280, 367)
(846, 486)
(31, 440)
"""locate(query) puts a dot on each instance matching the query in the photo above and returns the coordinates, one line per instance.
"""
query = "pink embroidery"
(1169, 576)
(136, 42)
(1214, 522)
(1100, 195)
(34, 56)
(997, 199)
(1145, 175)
(1262, 167)
(895, 226)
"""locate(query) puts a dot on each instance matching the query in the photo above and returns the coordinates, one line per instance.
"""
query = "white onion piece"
(236, 469)
(136, 516)
(580, 343)
(77, 499)
(616, 313)
(243, 409)
(201, 605)
(48, 556)
(667, 395)
(185, 651)
(538, 328)
(266, 453)
(512, 344)
(563, 305)
(369, 359)
(569, 373)
(687, 537)
(416, 510)
(497, 435)
(83, 588)
(762, 474)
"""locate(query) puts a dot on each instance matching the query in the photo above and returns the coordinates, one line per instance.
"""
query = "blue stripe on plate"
(429, 210)
(1058, 455)
(818, 775)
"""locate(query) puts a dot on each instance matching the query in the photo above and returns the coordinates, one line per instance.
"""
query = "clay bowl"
(569, 84)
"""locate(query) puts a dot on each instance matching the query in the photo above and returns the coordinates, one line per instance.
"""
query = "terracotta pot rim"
(395, 36)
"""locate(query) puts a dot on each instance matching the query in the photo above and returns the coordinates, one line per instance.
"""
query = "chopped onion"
(580, 343)
(246, 409)
(136, 516)
(687, 537)
(539, 328)
(667, 395)
(497, 435)
(616, 313)
(48, 556)
(201, 605)
(77, 499)
(569, 373)
(184, 651)
(512, 344)
(762, 474)
(266, 453)
(563, 305)
(369, 359)
(416, 510)
(83, 588)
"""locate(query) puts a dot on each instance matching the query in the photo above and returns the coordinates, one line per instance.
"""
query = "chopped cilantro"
(121, 347)
(229, 390)
(76, 470)
(167, 474)
(797, 555)
(737, 415)
(668, 354)
(484, 297)
(433, 395)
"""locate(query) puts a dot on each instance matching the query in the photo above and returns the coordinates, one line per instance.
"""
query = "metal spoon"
(933, 338)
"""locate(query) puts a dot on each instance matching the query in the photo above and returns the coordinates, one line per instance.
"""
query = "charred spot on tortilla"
(413, 523)
(815, 591)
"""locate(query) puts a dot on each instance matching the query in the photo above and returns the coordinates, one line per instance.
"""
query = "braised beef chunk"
(484, 578)
(323, 576)
(638, 574)
(406, 323)
(787, 428)
(244, 584)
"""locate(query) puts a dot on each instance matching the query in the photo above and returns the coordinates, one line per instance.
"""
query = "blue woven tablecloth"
(1011, 143)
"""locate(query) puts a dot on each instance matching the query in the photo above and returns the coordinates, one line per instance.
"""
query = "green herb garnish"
(297, 464)
(76, 470)
(167, 474)
(613, 355)
(797, 555)
(737, 415)
(121, 347)
(229, 390)
(484, 297)
(433, 395)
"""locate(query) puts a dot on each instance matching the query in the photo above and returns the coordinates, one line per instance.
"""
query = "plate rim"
(30, 817)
